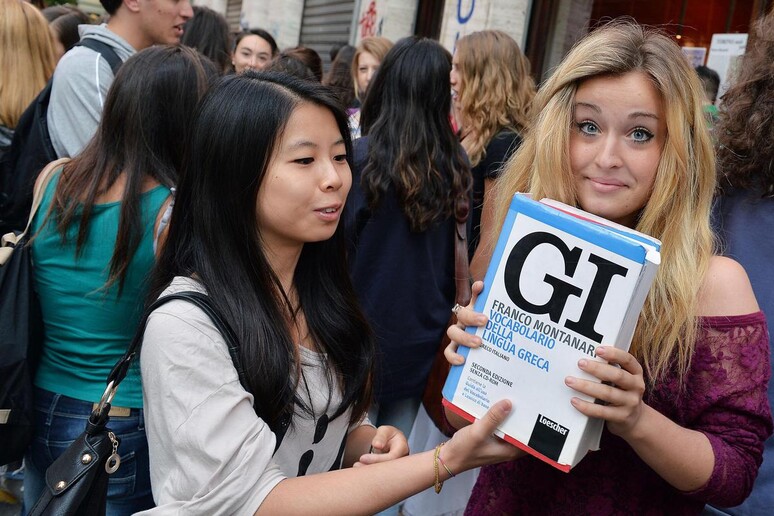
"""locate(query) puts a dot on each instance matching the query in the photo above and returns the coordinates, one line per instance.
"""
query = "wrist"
(453, 459)
(637, 430)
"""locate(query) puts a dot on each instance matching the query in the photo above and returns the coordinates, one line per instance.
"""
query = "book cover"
(560, 283)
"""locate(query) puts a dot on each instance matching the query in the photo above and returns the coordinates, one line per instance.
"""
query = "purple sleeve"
(727, 383)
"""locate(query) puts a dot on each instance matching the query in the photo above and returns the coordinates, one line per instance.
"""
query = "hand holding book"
(620, 393)
(466, 316)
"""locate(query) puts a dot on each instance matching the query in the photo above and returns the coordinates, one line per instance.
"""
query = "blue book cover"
(560, 283)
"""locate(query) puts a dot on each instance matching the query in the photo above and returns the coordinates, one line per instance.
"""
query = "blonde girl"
(620, 133)
(369, 54)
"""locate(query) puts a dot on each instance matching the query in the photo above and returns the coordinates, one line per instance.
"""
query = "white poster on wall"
(461, 17)
(725, 51)
(392, 19)
(695, 55)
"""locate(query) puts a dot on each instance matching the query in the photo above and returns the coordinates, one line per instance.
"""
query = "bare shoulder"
(726, 289)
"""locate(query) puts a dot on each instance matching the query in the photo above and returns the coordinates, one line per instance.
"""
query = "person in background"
(253, 49)
(290, 64)
(409, 169)
(492, 92)
(27, 61)
(710, 80)
(339, 77)
(309, 57)
(369, 53)
(335, 48)
(744, 210)
(83, 76)
(207, 32)
(64, 21)
(256, 228)
(620, 133)
(92, 245)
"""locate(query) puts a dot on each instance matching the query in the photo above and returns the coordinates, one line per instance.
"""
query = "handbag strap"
(201, 301)
(40, 187)
(461, 263)
(204, 303)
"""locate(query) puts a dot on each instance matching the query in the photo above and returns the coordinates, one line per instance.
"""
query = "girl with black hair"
(93, 251)
(253, 50)
(409, 169)
(256, 227)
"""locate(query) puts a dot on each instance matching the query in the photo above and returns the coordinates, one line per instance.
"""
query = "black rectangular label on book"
(548, 437)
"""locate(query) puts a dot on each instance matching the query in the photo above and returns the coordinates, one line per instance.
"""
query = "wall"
(461, 17)
(392, 19)
(281, 19)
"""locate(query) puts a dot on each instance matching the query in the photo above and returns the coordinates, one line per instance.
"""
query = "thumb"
(495, 416)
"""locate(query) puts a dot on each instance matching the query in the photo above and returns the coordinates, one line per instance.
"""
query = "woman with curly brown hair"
(745, 208)
(492, 93)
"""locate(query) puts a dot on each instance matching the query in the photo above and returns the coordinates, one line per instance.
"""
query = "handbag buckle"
(114, 461)
(107, 397)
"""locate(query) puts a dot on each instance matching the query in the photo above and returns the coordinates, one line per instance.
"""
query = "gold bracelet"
(451, 475)
(438, 484)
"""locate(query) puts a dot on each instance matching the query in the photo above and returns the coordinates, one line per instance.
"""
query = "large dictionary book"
(560, 283)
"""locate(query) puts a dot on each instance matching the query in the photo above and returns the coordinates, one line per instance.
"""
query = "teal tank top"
(88, 327)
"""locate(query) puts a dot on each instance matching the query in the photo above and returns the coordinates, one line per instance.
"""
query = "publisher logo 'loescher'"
(548, 437)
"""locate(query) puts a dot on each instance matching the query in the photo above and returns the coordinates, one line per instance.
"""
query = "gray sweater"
(81, 81)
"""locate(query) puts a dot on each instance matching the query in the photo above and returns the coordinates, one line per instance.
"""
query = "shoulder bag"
(431, 399)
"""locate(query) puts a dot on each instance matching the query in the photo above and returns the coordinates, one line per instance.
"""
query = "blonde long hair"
(497, 89)
(378, 47)
(27, 58)
(679, 207)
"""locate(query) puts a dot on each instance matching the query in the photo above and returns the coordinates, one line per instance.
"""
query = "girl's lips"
(606, 185)
(329, 214)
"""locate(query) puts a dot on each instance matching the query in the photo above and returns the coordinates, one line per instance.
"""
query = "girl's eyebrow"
(636, 114)
(302, 144)
(646, 114)
(593, 107)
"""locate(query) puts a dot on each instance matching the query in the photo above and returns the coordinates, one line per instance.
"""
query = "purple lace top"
(724, 398)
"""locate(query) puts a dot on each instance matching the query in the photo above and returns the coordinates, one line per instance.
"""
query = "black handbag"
(77, 481)
(20, 334)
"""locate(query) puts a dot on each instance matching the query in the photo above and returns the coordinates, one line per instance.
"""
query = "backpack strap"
(103, 49)
(203, 302)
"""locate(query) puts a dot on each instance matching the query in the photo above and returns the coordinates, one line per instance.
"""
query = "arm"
(681, 456)
(199, 465)
(161, 226)
(684, 457)
(369, 489)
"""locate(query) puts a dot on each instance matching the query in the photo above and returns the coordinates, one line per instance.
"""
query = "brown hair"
(497, 89)
(745, 131)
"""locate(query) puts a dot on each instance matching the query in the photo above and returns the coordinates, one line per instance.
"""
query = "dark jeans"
(59, 420)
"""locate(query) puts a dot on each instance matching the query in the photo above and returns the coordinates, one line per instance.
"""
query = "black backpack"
(31, 150)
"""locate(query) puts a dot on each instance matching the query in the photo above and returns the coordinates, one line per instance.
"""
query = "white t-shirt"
(209, 452)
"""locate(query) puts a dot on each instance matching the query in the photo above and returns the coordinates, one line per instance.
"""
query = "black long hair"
(147, 114)
(208, 33)
(214, 233)
(412, 146)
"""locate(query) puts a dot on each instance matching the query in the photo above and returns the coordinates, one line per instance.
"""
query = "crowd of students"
(317, 215)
